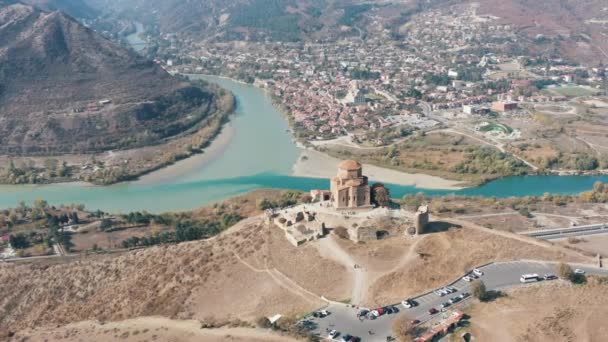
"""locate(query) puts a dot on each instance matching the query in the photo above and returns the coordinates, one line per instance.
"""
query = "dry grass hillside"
(146, 329)
(235, 276)
(561, 312)
(439, 258)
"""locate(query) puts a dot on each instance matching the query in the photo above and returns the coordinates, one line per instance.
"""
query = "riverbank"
(121, 166)
(184, 167)
(315, 164)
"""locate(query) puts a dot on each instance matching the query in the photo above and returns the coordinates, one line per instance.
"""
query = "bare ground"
(227, 278)
(556, 312)
(145, 329)
(441, 257)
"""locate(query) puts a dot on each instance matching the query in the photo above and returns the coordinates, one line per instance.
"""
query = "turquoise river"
(259, 153)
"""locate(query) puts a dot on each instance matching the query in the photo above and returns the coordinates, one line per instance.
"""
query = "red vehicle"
(416, 321)
(433, 311)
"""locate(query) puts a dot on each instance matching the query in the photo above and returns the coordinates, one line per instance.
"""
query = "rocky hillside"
(65, 89)
(75, 8)
(576, 29)
(259, 20)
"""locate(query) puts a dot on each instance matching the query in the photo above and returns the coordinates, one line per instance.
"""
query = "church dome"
(349, 165)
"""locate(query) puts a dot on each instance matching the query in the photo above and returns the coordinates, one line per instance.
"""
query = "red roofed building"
(442, 328)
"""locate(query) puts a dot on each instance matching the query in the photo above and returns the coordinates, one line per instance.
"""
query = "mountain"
(74, 8)
(574, 28)
(66, 89)
(577, 29)
(256, 20)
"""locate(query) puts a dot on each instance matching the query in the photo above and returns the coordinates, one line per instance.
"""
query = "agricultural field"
(573, 91)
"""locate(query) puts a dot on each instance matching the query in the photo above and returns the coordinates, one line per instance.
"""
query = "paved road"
(562, 233)
(497, 276)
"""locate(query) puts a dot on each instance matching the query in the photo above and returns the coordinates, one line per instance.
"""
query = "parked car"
(362, 312)
(355, 339)
(473, 275)
(467, 278)
(550, 276)
(433, 311)
(378, 312)
(409, 303)
(346, 338)
(439, 293)
(416, 321)
(389, 310)
(477, 272)
(320, 313)
(445, 291)
(455, 300)
(579, 271)
(451, 289)
(464, 295)
(445, 305)
(334, 333)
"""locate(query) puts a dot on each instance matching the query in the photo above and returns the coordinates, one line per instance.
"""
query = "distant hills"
(75, 8)
(255, 20)
(65, 89)
(576, 26)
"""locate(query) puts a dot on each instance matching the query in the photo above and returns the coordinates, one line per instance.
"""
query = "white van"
(529, 278)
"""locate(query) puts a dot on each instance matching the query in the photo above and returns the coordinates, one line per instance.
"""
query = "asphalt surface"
(554, 234)
(497, 276)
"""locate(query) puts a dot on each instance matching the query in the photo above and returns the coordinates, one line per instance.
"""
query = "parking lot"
(497, 276)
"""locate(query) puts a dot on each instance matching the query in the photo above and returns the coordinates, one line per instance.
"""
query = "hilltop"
(65, 89)
(246, 272)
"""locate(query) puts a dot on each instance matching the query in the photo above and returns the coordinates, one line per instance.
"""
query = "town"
(448, 65)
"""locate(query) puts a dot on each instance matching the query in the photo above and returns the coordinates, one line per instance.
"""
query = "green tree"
(381, 195)
(265, 204)
(564, 271)
(478, 288)
(19, 241)
(39, 203)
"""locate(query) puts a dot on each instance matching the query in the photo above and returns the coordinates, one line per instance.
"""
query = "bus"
(529, 278)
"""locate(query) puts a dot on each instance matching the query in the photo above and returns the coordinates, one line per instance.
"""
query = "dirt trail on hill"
(283, 281)
(328, 248)
(149, 328)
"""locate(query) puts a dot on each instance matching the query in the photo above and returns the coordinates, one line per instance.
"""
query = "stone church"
(349, 188)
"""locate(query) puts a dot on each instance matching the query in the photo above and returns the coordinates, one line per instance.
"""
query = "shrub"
(263, 322)
(478, 288)
(565, 271)
(403, 329)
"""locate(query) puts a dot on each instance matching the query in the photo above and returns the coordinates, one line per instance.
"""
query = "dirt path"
(330, 249)
(283, 281)
(410, 256)
(485, 215)
(177, 330)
